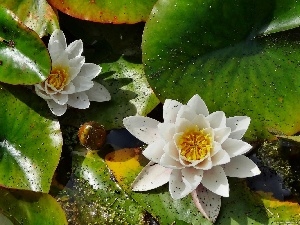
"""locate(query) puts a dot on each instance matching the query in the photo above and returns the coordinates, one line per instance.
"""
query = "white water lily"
(70, 82)
(194, 151)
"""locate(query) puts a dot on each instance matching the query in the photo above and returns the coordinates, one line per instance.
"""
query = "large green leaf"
(27, 208)
(30, 140)
(216, 50)
(24, 58)
(106, 11)
(130, 95)
(35, 14)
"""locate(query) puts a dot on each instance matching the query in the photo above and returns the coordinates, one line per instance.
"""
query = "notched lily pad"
(24, 59)
(30, 140)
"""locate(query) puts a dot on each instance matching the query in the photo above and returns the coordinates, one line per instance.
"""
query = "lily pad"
(130, 95)
(217, 50)
(27, 208)
(106, 11)
(30, 140)
(24, 58)
(38, 15)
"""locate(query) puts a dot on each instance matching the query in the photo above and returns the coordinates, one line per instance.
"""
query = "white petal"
(182, 125)
(171, 149)
(170, 110)
(169, 162)
(79, 100)
(235, 147)
(166, 130)
(206, 164)
(201, 122)
(60, 99)
(68, 89)
(238, 125)
(220, 158)
(198, 105)
(143, 128)
(216, 147)
(193, 176)
(82, 83)
(178, 186)
(221, 134)
(154, 151)
(98, 93)
(240, 166)
(217, 119)
(61, 61)
(152, 176)
(40, 92)
(186, 112)
(55, 108)
(89, 70)
(75, 49)
(75, 66)
(57, 43)
(216, 181)
(207, 202)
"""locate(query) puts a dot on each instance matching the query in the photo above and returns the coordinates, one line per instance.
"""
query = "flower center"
(58, 78)
(194, 144)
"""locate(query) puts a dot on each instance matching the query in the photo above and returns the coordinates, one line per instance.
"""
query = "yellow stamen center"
(195, 144)
(58, 78)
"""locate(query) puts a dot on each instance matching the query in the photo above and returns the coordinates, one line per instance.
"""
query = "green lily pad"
(130, 95)
(106, 11)
(30, 140)
(27, 208)
(24, 59)
(217, 50)
(38, 15)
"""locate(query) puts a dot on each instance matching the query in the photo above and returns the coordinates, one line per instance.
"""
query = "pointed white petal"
(178, 186)
(201, 122)
(68, 89)
(221, 134)
(98, 93)
(154, 151)
(75, 66)
(143, 128)
(75, 49)
(55, 108)
(169, 162)
(82, 84)
(198, 105)
(89, 70)
(186, 112)
(166, 130)
(220, 158)
(152, 176)
(206, 164)
(170, 110)
(235, 147)
(79, 100)
(241, 166)
(57, 43)
(61, 61)
(238, 125)
(40, 92)
(217, 119)
(216, 181)
(192, 176)
(207, 202)
(171, 149)
(60, 99)
(182, 125)
(216, 147)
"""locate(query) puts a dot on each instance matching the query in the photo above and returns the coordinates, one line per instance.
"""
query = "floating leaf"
(24, 58)
(130, 95)
(38, 15)
(30, 140)
(27, 208)
(106, 11)
(217, 51)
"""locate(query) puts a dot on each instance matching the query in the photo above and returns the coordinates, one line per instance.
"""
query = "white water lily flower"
(194, 151)
(70, 82)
